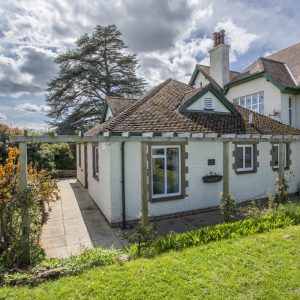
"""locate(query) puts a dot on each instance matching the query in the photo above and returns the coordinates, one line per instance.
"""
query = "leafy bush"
(227, 207)
(55, 267)
(85, 260)
(40, 190)
(142, 237)
(224, 231)
(64, 155)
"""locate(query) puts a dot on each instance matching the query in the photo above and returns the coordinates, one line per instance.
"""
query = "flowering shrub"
(41, 189)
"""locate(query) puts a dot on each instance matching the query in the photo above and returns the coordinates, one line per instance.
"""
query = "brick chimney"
(219, 59)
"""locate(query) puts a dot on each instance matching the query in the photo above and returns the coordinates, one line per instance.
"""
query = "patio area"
(75, 222)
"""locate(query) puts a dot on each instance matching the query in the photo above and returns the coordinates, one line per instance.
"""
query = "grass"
(261, 266)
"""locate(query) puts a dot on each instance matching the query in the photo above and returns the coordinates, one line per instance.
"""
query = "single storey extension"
(182, 129)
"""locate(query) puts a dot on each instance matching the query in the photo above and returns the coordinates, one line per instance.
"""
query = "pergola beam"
(130, 137)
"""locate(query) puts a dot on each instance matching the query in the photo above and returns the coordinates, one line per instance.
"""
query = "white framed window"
(96, 161)
(166, 171)
(244, 158)
(253, 102)
(275, 158)
(208, 103)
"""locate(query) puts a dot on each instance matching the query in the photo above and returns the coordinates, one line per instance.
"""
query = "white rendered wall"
(80, 169)
(108, 114)
(219, 64)
(272, 94)
(217, 105)
(200, 195)
(100, 190)
(200, 78)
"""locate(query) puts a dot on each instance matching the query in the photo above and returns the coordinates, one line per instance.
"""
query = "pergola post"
(144, 185)
(225, 170)
(24, 211)
(281, 163)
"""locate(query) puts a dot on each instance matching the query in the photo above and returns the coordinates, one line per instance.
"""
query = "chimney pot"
(215, 38)
(218, 38)
(222, 36)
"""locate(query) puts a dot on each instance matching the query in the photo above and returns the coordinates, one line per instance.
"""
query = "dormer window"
(208, 103)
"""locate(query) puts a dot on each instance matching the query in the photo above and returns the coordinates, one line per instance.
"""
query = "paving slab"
(75, 223)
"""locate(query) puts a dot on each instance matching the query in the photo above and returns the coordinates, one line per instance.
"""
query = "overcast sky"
(169, 36)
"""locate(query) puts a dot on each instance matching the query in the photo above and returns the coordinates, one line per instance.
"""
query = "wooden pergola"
(143, 139)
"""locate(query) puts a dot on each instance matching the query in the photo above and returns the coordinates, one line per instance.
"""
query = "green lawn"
(263, 266)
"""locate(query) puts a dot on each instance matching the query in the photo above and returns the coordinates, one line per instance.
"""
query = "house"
(270, 85)
(184, 130)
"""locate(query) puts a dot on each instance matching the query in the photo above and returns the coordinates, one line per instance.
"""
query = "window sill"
(96, 177)
(240, 172)
(275, 169)
(167, 198)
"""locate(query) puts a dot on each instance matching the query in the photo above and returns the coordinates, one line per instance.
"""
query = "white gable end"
(208, 102)
(108, 114)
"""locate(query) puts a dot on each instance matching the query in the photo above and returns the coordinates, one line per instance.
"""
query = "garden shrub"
(228, 207)
(41, 189)
(64, 155)
(142, 237)
(218, 232)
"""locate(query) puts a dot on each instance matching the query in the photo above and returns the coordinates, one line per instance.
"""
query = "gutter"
(123, 185)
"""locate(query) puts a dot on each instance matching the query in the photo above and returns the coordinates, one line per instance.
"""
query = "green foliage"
(87, 259)
(40, 189)
(254, 210)
(142, 237)
(288, 215)
(261, 266)
(281, 196)
(97, 66)
(218, 232)
(227, 207)
(51, 157)
(41, 156)
(64, 155)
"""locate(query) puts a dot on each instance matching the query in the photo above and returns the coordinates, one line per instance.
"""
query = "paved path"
(75, 222)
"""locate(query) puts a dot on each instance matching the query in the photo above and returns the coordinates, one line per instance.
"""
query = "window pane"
(261, 107)
(248, 102)
(172, 170)
(254, 99)
(158, 176)
(242, 101)
(254, 107)
(248, 157)
(240, 158)
(276, 155)
(261, 97)
(158, 151)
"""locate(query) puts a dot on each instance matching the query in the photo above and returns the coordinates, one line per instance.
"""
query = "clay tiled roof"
(206, 70)
(157, 111)
(276, 69)
(117, 105)
(291, 57)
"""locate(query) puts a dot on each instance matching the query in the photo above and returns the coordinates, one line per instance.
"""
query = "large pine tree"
(100, 65)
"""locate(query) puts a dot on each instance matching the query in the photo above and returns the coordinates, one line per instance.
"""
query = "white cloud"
(29, 107)
(239, 38)
(3, 117)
